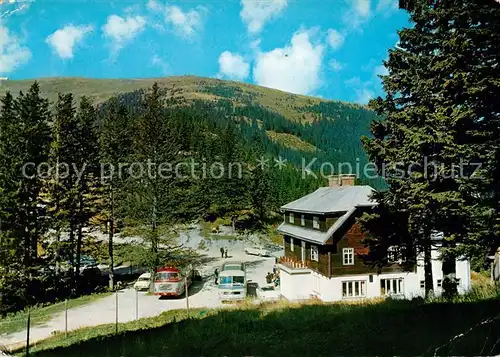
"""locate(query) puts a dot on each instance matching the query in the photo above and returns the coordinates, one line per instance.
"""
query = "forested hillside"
(147, 160)
(297, 128)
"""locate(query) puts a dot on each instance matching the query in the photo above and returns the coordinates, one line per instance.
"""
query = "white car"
(260, 251)
(143, 283)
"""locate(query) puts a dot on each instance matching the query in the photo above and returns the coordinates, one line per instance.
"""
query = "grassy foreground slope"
(390, 328)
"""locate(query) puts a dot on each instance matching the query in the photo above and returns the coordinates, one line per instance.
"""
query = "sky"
(332, 49)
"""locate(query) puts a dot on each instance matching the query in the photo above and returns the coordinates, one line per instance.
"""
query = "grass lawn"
(40, 315)
(387, 328)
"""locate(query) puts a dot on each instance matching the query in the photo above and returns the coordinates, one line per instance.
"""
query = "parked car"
(260, 251)
(87, 262)
(143, 282)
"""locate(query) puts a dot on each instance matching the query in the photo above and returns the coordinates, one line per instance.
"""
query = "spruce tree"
(34, 135)
(152, 190)
(436, 115)
(115, 148)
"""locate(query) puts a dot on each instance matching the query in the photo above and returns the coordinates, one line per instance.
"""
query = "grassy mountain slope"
(296, 127)
(291, 106)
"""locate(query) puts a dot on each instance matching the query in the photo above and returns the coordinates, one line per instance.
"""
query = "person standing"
(225, 253)
(221, 252)
(216, 273)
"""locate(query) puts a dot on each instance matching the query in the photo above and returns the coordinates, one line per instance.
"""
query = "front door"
(303, 251)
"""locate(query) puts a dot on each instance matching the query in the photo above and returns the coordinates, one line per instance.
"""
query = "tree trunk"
(111, 230)
(78, 251)
(429, 284)
(72, 249)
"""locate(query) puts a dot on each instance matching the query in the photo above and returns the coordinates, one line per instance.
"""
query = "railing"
(294, 263)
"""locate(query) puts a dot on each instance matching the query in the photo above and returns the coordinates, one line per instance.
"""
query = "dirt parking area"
(131, 303)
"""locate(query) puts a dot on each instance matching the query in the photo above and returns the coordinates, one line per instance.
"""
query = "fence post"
(187, 294)
(66, 318)
(28, 333)
(116, 311)
(136, 305)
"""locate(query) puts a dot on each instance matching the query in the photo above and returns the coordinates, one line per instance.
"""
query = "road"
(102, 311)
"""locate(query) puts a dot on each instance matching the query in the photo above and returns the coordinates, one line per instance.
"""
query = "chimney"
(341, 180)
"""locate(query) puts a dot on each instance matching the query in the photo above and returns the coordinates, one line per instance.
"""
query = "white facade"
(303, 283)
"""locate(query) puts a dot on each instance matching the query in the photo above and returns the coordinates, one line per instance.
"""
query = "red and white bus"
(169, 280)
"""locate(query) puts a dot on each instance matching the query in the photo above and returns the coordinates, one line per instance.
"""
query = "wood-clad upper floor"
(340, 255)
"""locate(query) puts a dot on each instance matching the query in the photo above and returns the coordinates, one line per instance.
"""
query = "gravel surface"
(102, 311)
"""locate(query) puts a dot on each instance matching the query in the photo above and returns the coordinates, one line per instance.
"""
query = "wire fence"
(30, 326)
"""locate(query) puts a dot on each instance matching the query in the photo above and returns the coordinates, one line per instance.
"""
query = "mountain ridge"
(190, 87)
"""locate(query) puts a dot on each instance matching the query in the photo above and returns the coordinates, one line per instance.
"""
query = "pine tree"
(260, 189)
(87, 163)
(115, 149)
(34, 139)
(64, 114)
(155, 146)
(434, 119)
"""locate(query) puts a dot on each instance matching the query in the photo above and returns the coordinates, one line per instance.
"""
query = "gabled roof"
(332, 199)
(314, 235)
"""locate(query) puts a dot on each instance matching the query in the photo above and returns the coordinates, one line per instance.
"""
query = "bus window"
(240, 280)
(167, 276)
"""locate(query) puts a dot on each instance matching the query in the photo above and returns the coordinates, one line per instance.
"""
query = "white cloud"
(154, 5)
(63, 41)
(13, 53)
(233, 66)
(255, 13)
(362, 7)
(364, 90)
(387, 5)
(255, 44)
(359, 12)
(185, 23)
(335, 39)
(294, 68)
(161, 64)
(121, 30)
(364, 95)
(335, 65)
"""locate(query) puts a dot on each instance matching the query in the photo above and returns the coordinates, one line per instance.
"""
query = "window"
(291, 244)
(303, 251)
(316, 222)
(302, 220)
(353, 288)
(238, 280)
(314, 253)
(439, 283)
(391, 286)
(167, 276)
(348, 256)
(290, 218)
(422, 284)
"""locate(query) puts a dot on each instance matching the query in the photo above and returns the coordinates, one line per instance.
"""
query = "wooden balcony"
(294, 263)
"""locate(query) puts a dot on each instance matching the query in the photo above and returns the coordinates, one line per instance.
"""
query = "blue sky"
(329, 48)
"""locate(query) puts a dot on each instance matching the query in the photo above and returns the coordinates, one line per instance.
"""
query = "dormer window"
(316, 222)
(302, 220)
(290, 218)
